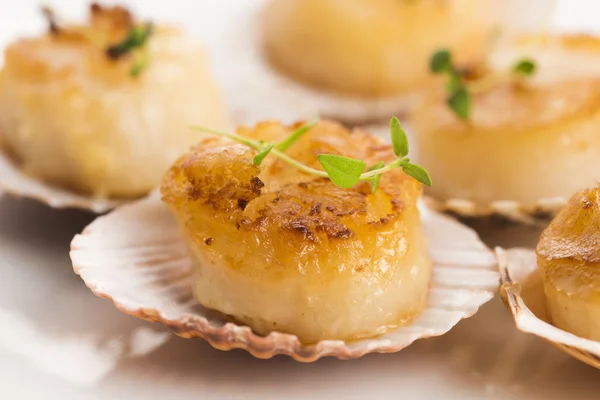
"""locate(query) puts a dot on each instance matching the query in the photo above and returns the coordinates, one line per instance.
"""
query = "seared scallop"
(568, 256)
(524, 143)
(371, 48)
(104, 108)
(281, 250)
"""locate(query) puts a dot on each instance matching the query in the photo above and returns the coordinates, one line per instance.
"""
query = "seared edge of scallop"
(568, 256)
(284, 251)
(76, 113)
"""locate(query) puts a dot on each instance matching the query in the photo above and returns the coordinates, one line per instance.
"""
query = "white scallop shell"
(135, 257)
(523, 292)
(540, 212)
(17, 183)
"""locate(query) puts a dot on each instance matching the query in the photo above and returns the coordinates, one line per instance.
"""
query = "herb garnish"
(459, 91)
(137, 38)
(342, 171)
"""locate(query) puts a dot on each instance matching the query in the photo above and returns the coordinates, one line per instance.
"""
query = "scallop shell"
(17, 183)
(539, 213)
(136, 257)
(523, 292)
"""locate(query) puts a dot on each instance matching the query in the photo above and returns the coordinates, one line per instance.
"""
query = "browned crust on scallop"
(574, 233)
(115, 17)
(105, 25)
(223, 178)
(515, 107)
(576, 41)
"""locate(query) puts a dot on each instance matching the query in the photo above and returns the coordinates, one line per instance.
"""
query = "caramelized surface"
(569, 249)
(296, 244)
(569, 259)
(289, 212)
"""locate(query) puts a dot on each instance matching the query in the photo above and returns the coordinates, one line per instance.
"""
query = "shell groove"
(523, 292)
(134, 256)
(17, 183)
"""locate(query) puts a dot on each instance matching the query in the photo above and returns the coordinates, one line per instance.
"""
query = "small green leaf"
(293, 138)
(460, 103)
(417, 172)
(399, 139)
(376, 178)
(138, 66)
(136, 38)
(524, 67)
(440, 61)
(258, 158)
(343, 172)
(454, 82)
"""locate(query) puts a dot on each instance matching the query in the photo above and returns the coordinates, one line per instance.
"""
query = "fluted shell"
(367, 26)
(523, 292)
(136, 257)
(15, 182)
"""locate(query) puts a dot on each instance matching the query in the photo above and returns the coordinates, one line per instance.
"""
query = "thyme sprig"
(343, 171)
(136, 39)
(460, 91)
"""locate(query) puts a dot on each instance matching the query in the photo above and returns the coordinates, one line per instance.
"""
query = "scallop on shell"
(72, 116)
(523, 292)
(136, 257)
(550, 123)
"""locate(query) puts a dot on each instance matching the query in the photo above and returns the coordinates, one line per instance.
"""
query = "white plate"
(57, 341)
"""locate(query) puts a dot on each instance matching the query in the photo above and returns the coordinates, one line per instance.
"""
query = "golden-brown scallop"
(568, 255)
(523, 143)
(284, 251)
(72, 114)
(374, 48)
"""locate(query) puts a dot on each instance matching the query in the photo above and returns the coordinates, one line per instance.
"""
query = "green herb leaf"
(137, 38)
(258, 158)
(140, 63)
(440, 61)
(293, 138)
(524, 67)
(417, 172)
(343, 171)
(399, 139)
(455, 82)
(460, 103)
(376, 178)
